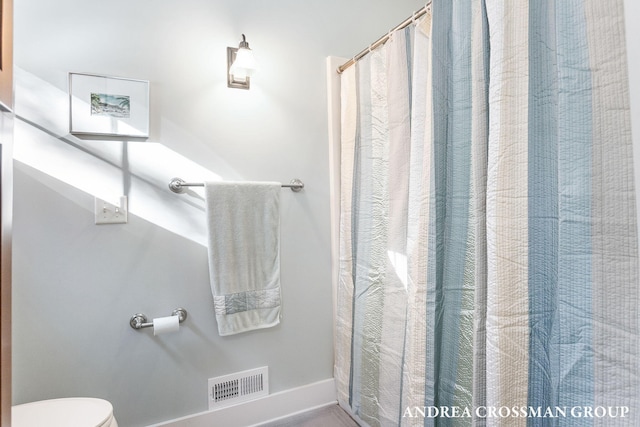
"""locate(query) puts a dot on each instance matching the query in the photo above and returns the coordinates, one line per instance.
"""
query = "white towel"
(243, 220)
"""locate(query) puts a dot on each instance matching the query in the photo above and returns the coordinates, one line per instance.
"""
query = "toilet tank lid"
(66, 412)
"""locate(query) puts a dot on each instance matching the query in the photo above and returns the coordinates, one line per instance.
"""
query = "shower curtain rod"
(383, 39)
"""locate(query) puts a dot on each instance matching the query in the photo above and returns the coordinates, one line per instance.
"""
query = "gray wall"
(77, 284)
(632, 12)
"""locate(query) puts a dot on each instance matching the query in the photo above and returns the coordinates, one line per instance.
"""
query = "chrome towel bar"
(178, 185)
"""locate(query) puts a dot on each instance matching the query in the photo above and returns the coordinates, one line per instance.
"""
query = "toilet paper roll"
(163, 325)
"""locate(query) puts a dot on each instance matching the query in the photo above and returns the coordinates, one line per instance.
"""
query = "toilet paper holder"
(139, 320)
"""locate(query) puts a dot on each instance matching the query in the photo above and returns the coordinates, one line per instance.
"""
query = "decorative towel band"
(246, 301)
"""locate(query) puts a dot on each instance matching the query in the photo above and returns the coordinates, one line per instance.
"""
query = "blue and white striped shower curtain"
(488, 249)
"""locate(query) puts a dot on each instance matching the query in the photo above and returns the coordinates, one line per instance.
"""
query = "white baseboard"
(272, 407)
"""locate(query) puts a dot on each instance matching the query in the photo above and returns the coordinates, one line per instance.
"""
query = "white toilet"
(68, 412)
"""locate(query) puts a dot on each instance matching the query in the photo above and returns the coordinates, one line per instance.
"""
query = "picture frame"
(108, 106)
(6, 55)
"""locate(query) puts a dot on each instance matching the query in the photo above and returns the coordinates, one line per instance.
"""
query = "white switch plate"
(107, 213)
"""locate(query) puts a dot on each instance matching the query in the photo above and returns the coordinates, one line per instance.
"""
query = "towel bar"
(178, 185)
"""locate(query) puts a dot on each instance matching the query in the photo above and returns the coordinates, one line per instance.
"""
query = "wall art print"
(108, 106)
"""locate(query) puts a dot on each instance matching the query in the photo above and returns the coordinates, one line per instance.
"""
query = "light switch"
(107, 213)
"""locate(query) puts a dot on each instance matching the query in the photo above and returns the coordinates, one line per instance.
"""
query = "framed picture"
(108, 106)
(6, 55)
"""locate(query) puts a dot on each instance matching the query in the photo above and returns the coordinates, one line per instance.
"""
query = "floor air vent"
(239, 387)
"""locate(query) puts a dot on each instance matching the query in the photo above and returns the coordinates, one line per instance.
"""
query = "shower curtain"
(488, 243)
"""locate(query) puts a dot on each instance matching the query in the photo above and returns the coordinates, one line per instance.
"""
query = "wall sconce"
(240, 65)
